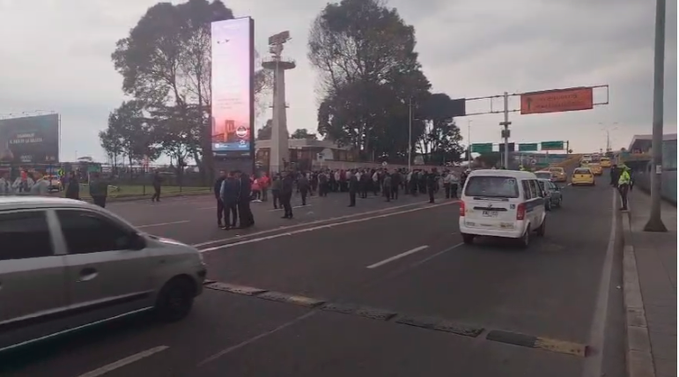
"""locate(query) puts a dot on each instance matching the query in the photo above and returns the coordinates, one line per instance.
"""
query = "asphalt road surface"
(384, 289)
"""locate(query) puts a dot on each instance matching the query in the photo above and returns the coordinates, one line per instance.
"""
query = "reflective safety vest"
(625, 178)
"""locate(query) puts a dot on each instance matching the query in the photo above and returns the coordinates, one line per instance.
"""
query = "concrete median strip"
(393, 316)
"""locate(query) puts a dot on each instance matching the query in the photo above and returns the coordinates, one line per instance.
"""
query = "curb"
(639, 359)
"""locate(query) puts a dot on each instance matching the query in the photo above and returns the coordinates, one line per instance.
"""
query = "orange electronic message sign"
(557, 100)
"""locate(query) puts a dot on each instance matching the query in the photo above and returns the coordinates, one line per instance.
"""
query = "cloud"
(56, 56)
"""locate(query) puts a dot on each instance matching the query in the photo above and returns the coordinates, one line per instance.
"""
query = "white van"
(66, 265)
(502, 203)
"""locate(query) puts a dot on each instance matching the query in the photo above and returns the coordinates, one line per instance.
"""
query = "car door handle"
(87, 274)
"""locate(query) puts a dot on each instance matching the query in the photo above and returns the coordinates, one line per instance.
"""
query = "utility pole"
(410, 131)
(469, 144)
(655, 223)
(505, 130)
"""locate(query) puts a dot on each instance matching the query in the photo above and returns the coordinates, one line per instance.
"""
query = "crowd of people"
(234, 191)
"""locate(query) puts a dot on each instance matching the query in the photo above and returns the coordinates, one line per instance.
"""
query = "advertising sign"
(30, 140)
(232, 89)
(557, 101)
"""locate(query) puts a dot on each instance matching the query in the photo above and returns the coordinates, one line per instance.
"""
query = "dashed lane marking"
(423, 322)
(124, 362)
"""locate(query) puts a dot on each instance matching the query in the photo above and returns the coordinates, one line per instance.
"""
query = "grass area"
(131, 191)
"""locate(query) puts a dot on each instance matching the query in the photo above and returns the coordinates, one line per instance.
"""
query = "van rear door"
(491, 201)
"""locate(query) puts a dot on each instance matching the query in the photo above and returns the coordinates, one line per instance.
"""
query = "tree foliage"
(369, 74)
(165, 62)
(129, 134)
(440, 141)
(489, 159)
(303, 133)
(264, 133)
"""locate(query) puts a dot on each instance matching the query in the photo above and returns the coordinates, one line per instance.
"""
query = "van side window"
(88, 232)
(526, 190)
(535, 191)
(24, 235)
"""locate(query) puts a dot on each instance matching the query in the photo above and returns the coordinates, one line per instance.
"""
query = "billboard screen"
(232, 90)
(31, 140)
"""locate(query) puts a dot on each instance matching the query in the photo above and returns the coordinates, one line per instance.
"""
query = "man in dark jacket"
(431, 184)
(244, 197)
(72, 187)
(353, 189)
(98, 190)
(157, 180)
(286, 194)
(229, 194)
(303, 187)
(221, 213)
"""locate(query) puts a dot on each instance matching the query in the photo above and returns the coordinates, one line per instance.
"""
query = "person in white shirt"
(41, 186)
(5, 185)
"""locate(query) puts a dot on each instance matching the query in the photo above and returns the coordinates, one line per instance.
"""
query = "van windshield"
(492, 187)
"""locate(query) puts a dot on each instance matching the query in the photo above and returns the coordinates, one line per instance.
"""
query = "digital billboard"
(232, 87)
(30, 140)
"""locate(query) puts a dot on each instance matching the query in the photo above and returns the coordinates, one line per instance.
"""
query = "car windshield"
(582, 171)
(556, 170)
(492, 187)
(543, 174)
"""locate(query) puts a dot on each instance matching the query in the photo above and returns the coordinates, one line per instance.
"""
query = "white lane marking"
(327, 226)
(597, 336)
(306, 224)
(254, 339)
(427, 259)
(162, 224)
(281, 208)
(398, 256)
(123, 362)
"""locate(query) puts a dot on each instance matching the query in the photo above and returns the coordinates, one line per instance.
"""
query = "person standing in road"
(41, 185)
(447, 186)
(615, 175)
(157, 180)
(5, 185)
(217, 188)
(287, 184)
(264, 183)
(229, 193)
(353, 188)
(98, 190)
(244, 196)
(72, 187)
(623, 185)
(303, 187)
(431, 184)
(454, 183)
(395, 184)
(276, 190)
(386, 186)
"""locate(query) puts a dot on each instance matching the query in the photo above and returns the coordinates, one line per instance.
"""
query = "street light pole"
(410, 131)
(469, 144)
(655, 223)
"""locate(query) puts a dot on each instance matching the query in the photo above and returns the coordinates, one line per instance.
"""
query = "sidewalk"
(650, 284)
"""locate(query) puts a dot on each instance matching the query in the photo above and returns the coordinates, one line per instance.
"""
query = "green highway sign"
(528, 147)
(552, 146)
(482, 148)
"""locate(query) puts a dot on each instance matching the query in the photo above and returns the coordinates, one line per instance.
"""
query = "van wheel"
(175, 300)
(541, 230)
(524, 241)
(468, 238)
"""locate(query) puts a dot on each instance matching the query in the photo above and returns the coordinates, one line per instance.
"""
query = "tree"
(165, 62)
(112, 143)
(303, 133)
(133, 135)
(488, 159)
(264, 133)
(440, 141)
(364, 53)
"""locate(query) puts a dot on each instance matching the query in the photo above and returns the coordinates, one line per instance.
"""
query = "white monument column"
(279, 152)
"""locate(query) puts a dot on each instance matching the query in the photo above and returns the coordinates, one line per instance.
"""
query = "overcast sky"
(55, 55)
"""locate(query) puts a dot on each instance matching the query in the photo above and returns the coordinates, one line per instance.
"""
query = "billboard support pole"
(506, 124)
(655, 223)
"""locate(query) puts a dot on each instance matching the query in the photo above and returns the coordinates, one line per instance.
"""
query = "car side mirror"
(137, 242)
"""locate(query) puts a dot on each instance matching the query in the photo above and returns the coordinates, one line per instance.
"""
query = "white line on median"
(399, 256)
(327, 226)
(123, 362)
(162, 224)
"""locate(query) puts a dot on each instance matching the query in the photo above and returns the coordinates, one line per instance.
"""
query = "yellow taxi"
(605, 162)
(558, 174)
(595, 168)
(582, 177)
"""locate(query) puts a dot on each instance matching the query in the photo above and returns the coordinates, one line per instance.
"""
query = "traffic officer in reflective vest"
(623, 185)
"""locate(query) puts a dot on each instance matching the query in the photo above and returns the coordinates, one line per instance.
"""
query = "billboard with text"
(232, 87)
(30, 140)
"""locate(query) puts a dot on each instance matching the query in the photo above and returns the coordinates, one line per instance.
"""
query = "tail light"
(520, 211)
(462, 209)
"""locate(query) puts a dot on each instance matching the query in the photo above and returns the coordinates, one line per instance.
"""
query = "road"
(390, 291)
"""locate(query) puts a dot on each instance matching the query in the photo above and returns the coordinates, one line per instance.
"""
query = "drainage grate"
(438, 324)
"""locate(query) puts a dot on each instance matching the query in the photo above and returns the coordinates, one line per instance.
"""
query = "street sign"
(552, 146)
(528, 147)
(502, 147)
(482, 148)
(557, 100)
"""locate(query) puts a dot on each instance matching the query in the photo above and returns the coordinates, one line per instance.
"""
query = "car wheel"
(524, 241)
(542, 228)
(468, 238)
(175, 300)
(548, 204)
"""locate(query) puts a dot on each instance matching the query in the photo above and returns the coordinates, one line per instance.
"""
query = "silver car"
(552, 194)
(66, 265)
